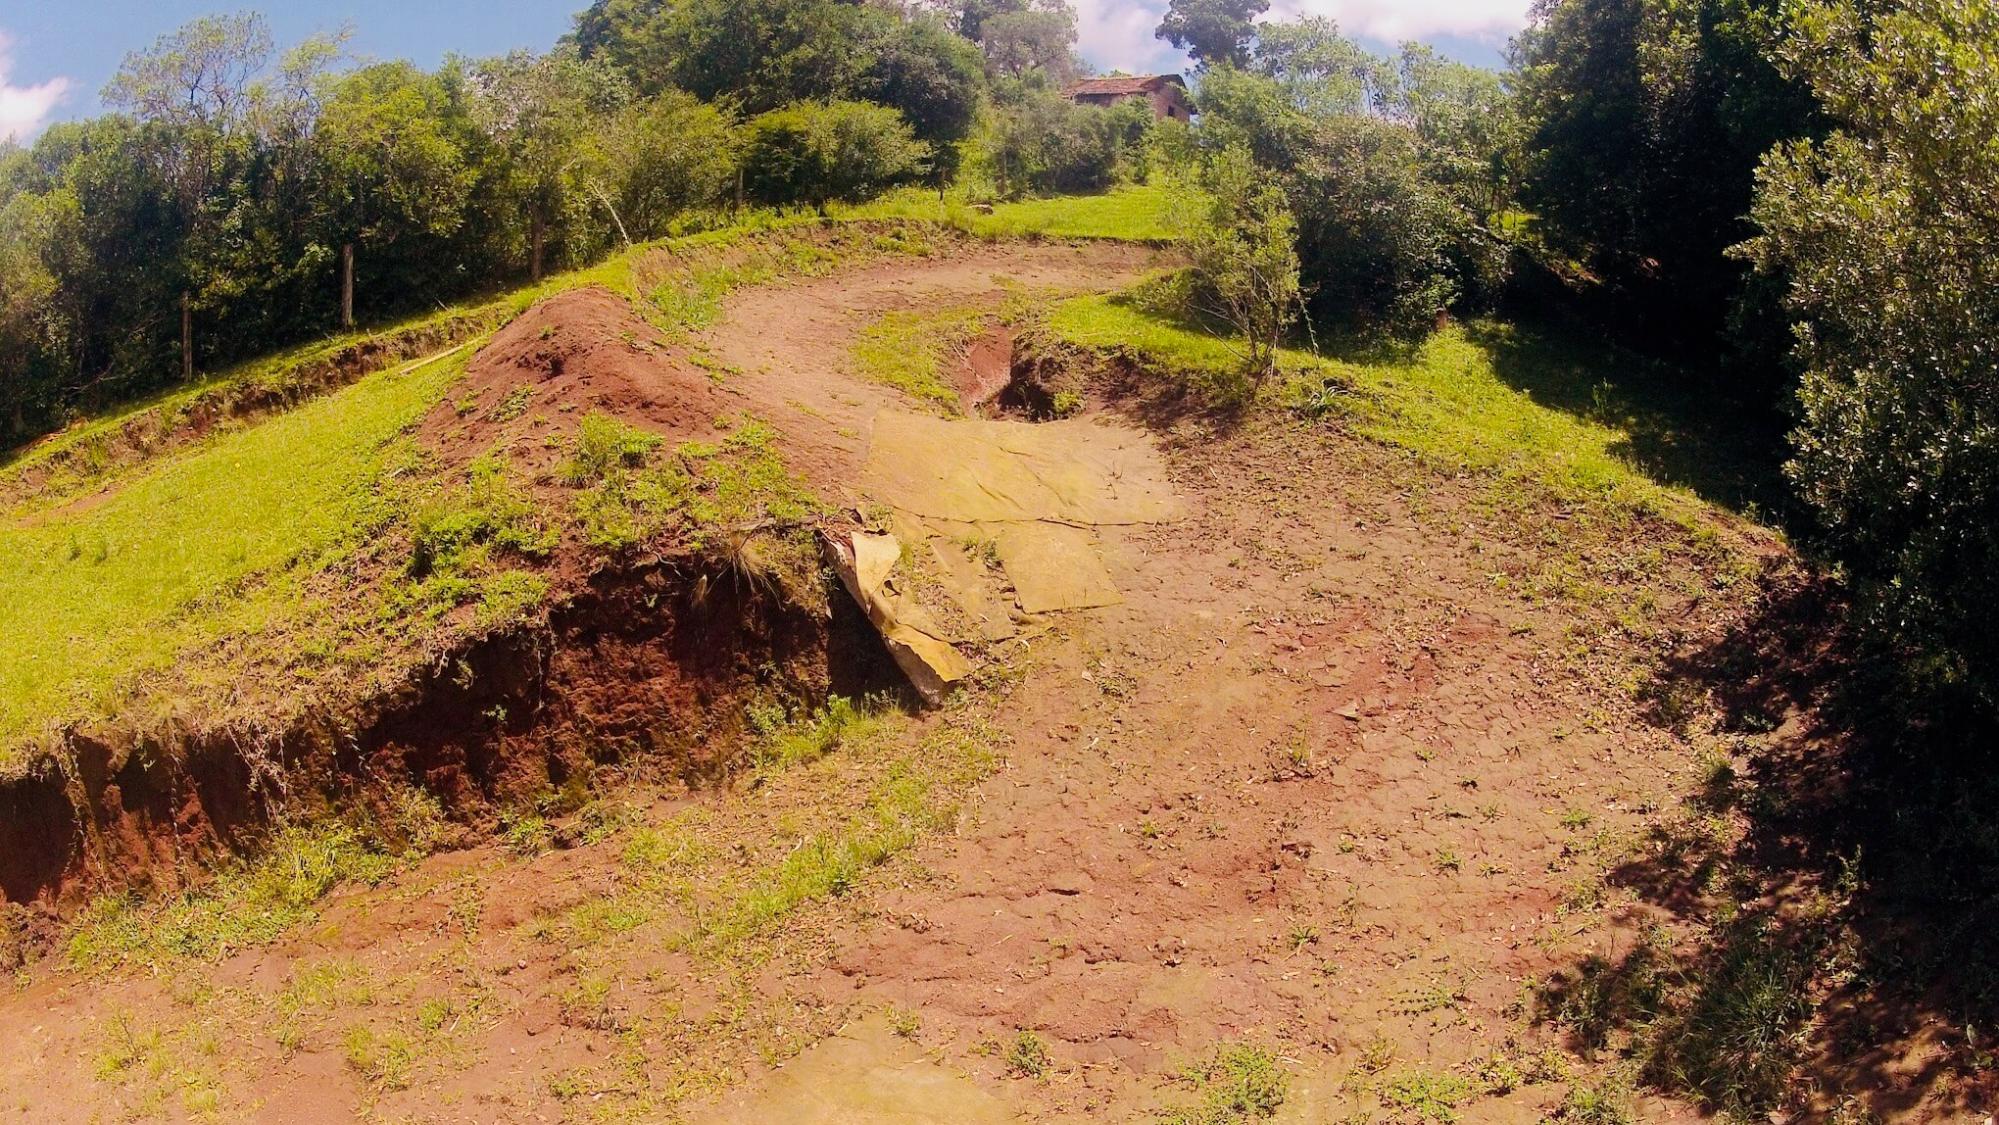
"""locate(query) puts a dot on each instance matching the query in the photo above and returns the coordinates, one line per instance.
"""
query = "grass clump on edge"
(781, 745)
(733, 499)
(907, 351)
(1241, 1083)
(461, 540)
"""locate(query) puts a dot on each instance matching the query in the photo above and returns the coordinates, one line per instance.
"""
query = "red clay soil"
(1323, 782)
(583, 351)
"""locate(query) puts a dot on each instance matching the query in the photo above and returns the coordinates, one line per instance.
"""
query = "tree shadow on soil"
(1847, 956)
(1680, 431)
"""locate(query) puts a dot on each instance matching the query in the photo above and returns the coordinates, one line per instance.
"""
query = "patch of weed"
(1428, 1095)
(248, 903)
(1240, 1083)
(1027, 1056)
(908, 350)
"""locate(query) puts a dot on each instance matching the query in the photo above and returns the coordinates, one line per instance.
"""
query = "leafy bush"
(1377, 239)
(1039, 142)
(817, 152)
(662, 157)
(1388, 229)
(1245, 258)
(1883, 229)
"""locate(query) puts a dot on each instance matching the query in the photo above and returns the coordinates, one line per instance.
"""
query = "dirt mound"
(629, 656)
(581, 352)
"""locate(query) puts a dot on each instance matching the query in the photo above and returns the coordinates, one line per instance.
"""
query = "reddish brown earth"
(1322, 782)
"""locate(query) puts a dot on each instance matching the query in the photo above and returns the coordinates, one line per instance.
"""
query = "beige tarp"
(1054, 567)
(866, 563)
(1032, 489)
(1080, 472)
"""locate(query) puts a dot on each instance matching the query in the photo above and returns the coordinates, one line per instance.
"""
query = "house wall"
(1169, 101)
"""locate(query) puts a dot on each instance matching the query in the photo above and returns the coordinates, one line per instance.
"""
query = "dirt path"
(786, 349)
(1322, 783)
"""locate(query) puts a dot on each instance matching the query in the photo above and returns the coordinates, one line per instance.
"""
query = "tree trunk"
(347, 286)
(537, 236)
(186, 337)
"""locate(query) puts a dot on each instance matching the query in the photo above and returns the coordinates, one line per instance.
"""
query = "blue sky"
(55, 55)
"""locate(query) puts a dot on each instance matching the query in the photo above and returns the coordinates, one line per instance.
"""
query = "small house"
(1165, 93)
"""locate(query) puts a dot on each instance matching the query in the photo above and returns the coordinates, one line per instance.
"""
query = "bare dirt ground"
(1325, 782)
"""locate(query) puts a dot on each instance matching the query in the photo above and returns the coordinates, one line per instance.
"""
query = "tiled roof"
(1123, 84)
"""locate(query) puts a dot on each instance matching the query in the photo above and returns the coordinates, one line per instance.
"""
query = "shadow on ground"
(1682, 430)
(1821, 930)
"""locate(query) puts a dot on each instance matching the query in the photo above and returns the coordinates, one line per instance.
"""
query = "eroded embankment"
(651, 650)
(650, 668)
(654, 645)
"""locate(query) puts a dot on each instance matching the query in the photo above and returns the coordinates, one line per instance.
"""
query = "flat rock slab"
(1036, 491)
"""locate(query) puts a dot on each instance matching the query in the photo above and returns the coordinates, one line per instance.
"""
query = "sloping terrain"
(228, 629)
(1328, 810)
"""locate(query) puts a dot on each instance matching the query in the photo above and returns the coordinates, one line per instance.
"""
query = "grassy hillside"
(99, 592)
(1487, 397)
(114, 568)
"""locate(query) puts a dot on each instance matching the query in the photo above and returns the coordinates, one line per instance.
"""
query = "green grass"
(1140, 213)
(1241, 1083)
(1456, 400)
(907, 351)
(90, 599)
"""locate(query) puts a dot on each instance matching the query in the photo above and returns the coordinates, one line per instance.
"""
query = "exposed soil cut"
(1321, 779)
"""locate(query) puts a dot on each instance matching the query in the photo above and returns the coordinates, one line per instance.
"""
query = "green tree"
(397, 164)
(536, 111)
(764, 54)
(1322, 71)
(660, 158)
(1377, 161)
(1245, 260)
(1212, 31)
(934, 79)
(1041, 38)
(1646, 119)
(1884, 231)
(1038, 141)
(1468, 125)
(818, 152)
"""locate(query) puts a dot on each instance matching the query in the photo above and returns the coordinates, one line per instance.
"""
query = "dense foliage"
(1394, 170)
(1885, 230)
(816, 152)
(1647, 120)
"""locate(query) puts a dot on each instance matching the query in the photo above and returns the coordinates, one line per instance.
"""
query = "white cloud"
(1396, 20)
(25, 109)
(1117, 34)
